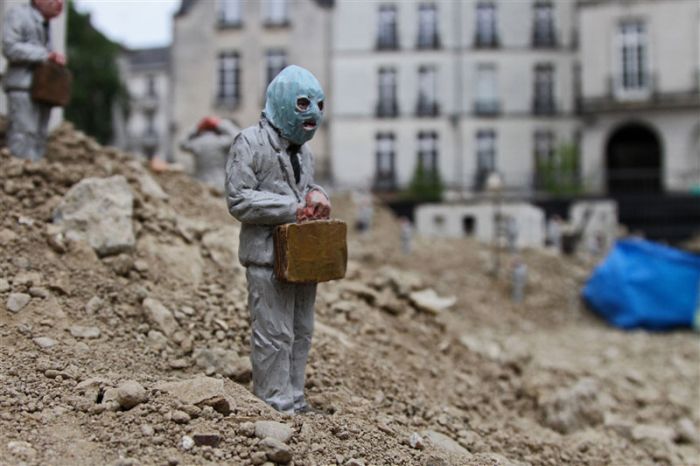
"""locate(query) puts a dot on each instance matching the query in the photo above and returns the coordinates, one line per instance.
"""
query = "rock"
(445, 443)
(211, 440)
(225, 362)
(187, 442)
(428, 300)
(258, 458)
(147, 430)
(273, 429)
(85, 332)
(206, 391)
(247, 429)
(94, 305)
(38, 292)
(686, 432)
(180, 363)
(402, 282)
(276, 451)
(157, 340)
(17, 301)
(151, 188)
(180, 417)
(120, 264)
(222, 246)
(55, 238)
(4, 285)
(354, 462)
(662, 434)
(7, 236)
(21, 449)
(45, 342)
(416, 441)
(160, 316)
(99, 210)
(359, 289)
(573, 408)
(131, 393)
(175, 259)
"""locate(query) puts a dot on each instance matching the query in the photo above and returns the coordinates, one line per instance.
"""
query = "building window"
(545, 160)
(487, 102)
(275, 12)
(275, 61)
(485, 156)
(385, 177)
(229, 84)
(428, 36)
(387, 37)
(544, 90)
(428, 152)
(427, 92)
(486, 28)
(151, 86)
(387, 105)
(543, 34)
(230, 13)
(633, 56)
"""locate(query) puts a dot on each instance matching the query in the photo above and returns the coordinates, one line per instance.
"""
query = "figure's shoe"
(157, 165)
(307, 410)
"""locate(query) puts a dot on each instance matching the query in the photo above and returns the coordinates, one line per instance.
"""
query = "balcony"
(384, 182)
(387, 109)
(426, 108)
(428, 41)
(647, 97)
(487, 108)
(544, 106)
(544, 38)
(482, 41)
(389, 41)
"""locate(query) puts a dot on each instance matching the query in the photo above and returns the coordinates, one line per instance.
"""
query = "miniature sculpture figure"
(269, 182)
(209, 142)
(26, 43)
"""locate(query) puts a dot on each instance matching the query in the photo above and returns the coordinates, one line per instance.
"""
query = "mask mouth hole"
(309, 124)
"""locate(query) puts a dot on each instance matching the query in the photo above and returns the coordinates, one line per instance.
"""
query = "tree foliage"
(559, 175)
(426, 185)
(92, 58)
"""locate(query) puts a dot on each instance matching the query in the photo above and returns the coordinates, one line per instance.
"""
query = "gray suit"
(261, 193)
(25, 42)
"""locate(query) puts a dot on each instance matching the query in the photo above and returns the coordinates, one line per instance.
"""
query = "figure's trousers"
(282, 317)
(28, 126)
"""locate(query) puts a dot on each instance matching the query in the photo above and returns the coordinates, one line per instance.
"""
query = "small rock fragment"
(187, 442)
(131, 393)
(209, 439)
(180, 417)
(4, 285)
(273, 429)
(17, 301)
(416, 441)
(276, 451)
(45, 342)
(79, 331)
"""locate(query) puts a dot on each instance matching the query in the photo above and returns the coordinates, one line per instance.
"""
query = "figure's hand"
(210, 123)
(57, 58)
(317, 207)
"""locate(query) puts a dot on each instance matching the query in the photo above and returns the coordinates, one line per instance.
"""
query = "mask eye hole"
(320, 105)
(303, 104)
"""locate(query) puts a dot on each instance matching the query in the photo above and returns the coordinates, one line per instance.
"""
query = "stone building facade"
(145, 128)
(462, 88)
(225, 52)
(640, 96)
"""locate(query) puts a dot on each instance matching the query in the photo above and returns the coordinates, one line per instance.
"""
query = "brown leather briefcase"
(51, 84)
(311, 252)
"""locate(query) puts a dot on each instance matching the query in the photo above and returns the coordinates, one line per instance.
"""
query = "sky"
(134, 23)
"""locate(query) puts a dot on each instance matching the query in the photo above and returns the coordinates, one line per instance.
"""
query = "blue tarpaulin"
(641, 284)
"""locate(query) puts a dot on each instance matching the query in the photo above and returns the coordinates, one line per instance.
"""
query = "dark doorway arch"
(633, 160)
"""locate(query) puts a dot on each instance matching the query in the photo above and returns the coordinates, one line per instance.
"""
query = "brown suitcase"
(51, 84)
(311, 252)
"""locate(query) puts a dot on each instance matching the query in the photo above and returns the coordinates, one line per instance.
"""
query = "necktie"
(293, 151)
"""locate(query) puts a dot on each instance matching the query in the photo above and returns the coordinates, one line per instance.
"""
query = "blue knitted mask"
(295, 104)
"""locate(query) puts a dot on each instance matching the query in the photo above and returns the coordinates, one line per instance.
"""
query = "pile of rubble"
(124, 339)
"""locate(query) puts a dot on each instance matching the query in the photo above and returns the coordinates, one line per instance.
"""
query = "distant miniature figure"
(512, 234)
(365, 213)
(209, 143)
(554, 232)
(269, 182)
(406, 235)
(26, 43)
(518, 280)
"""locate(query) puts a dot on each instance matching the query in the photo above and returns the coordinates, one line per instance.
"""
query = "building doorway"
(633, 160)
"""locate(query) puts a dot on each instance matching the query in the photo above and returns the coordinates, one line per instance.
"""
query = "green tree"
(426, 185)
(559, 174)
(92, 58)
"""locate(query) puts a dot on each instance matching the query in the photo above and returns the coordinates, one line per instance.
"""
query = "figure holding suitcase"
(26, 43)
(269, 182)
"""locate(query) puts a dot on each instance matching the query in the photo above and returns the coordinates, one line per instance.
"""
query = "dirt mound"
(139, 354)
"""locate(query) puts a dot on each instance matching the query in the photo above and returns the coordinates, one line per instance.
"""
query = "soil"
(485, 382)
